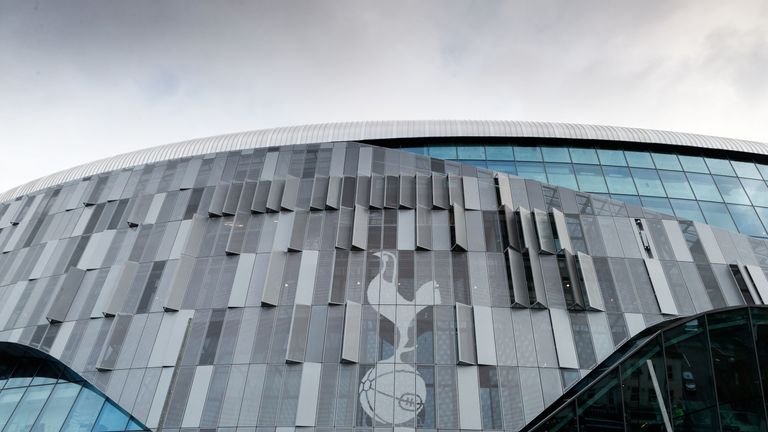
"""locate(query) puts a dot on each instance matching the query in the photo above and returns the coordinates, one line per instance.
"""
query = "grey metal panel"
(465, 334)
(759, 280)
(544, 232)
(588, 280)
(407, 195)
(334, 193)
(561, 229)
(660, 286)
(275, 196)
(121, 288)
(259, 204)
(676, 239)
(469, 398)
(297, 335)
(350, 347)
(512, 227)
(242, 280)
(217, 200)
(517, 279)
(360, 228)
(471, 193)
(484, 335)
(309, 394)
(319, 193)
(460, 240)
(306, 280)
(274, 279)
(63, 301)
(539, 288)
(709, 242)
(440, 191)
(566, 347)
(197, 396)
(290, 193)
(181, 279)
(528, 231)
(233, 198)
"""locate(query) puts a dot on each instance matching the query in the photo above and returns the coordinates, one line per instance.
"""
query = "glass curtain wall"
(726, 193)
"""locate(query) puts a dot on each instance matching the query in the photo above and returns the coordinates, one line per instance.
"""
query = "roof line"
(371, 130)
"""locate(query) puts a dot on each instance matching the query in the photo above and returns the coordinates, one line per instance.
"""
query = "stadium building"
(431, 275)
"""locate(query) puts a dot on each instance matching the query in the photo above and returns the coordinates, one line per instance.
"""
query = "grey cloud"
(85, 79)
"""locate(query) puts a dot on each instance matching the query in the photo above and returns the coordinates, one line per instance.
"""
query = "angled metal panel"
(471, 193)
(259, 204)
(297, 335)
(275, 196)
(290, 193)
(528, 237)
(306, 280)
(544, 232)
(309, 395)
(516, 278)
(661, 287)
(512, 228)
(590, 286)
(274, 279)
(469, 398)
(350, 347)
(121, 289)
(759, 281)
(484, 336)
(561, 228)
(465, 335)
(564, 342)
(333, 197)
(407, 195)
(459, 231)
(232, 199)
(216, 207)
(63, 301)
(360, 228)
(242, 280)
(440, 197)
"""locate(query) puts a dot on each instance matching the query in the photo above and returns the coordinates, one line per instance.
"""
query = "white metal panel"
(469, 398)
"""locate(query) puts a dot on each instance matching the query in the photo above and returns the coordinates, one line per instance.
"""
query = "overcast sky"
(82, 80)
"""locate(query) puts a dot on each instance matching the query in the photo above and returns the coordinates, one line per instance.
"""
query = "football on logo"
(392, 393)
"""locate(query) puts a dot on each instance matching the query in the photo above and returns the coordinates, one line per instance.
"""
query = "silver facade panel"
(660, 287)
(350, 351)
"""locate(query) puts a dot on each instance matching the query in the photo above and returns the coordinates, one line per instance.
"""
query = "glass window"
(763, 170)
(112, 419)
(666, 161)
(561, 175)
(499, 152)
(555, 154)
(645, 374)
(686, 209)
(599, 407)
(731, 190)
(417, 150)
(657, 204)
(9, 398)
(757, 191)
(56, 409)
(719, 166)
(704, 187)
(532, 154)
(443, 152)
(84, 413)
(676, 184)
(762, 212)
(26, 412)
(532, 170)
(471, 151)
(629, 199)
(735, 366)
(639, 159)
(619, 180)
(693, 164)
(505, 167)
(746, 220)
(746, 169)
(691, 384)
(590, 178)
(584, 156)
(612, 157)
(716, 214)
(647, 182)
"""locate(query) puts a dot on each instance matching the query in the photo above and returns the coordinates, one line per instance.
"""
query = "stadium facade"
(436, 275)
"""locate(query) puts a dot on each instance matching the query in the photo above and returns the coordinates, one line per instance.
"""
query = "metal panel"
(544, 233)
(465, 335)
(517, 280)
(486, 345)
(274, 279)
(512, 228)
(58, 311)
(469, 398)
(319, 193)
(440, 192)
(179, 284)
(306, 280)
(407, 195)
(350, 351)
(566, 347)
(309, 394)
(676, 239)
(197, 396)
(259, 203)
(589, 284)
(122, 288)
(242, 280)
(297, 336)
(290, 193)
(471, 193)
(232, 200)
(528, 231)
(660, 286)
(759, 281)
(459, 234)
(709, 242)
(275, 196)
(334, 193)
(217, 200)
(561, 228)
(360, 228)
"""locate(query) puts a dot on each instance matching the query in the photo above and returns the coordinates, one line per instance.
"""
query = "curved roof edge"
(370, 130)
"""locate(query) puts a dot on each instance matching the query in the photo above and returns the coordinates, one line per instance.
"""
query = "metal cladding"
(343, 285)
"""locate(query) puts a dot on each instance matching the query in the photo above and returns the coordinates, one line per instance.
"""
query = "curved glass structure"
(727, 193)
(702, 373)
(40, 394)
